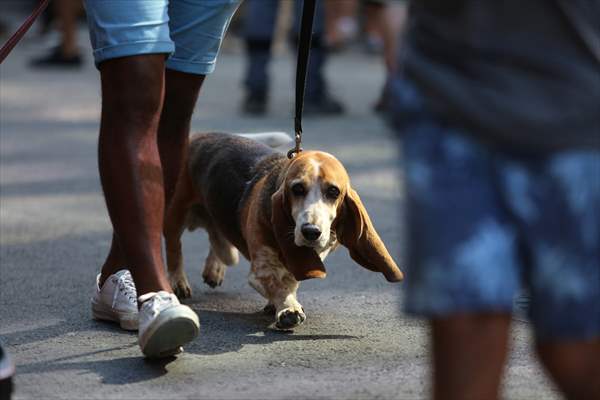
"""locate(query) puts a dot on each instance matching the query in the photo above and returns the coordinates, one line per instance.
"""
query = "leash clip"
(308, 14)
(297, 149)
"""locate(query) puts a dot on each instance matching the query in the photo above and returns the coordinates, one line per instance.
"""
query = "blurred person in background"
(258, 28)
(341, 25)
(374, 24)
(382, 22)
(498, 106)
(388, 18)
(66, 54)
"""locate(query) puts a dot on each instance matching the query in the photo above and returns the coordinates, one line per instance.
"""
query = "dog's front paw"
(181, 287)
(290, 318)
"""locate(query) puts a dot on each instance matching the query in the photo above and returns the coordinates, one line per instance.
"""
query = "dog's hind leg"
(221, 254)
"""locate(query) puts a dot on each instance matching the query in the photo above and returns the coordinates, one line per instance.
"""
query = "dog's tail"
(271, 139)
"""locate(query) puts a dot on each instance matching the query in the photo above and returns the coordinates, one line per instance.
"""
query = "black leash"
(308, 15)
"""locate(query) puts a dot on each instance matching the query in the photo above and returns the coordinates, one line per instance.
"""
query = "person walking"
(497, 105)
(258, 29)
(153, 57)
(66, 54)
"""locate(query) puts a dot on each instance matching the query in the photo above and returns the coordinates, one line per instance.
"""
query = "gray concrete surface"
(55, 232)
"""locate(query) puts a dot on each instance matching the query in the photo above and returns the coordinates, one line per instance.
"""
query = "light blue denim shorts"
(483, 225)
(189, 31)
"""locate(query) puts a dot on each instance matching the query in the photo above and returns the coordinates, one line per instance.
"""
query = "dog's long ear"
(356, 232)
(302, 262)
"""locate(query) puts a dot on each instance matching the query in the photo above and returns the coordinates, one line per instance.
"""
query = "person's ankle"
(106, 272)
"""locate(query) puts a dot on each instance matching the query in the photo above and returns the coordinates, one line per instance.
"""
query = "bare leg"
(392, 21)
(469, 352)
(180, 95)
(130, 167)
(67, 12)
(575, 367)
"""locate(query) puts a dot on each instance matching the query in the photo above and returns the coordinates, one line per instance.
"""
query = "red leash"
(18, 35)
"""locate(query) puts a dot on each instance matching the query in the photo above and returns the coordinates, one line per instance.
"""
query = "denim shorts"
(189, 31)
(484, 224)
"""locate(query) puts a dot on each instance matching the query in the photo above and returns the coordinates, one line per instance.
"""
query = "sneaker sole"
(171, 329)
(127, 321)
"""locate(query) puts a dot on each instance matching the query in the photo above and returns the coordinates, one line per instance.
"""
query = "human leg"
(66, 54)
(132, 181)
(129, 162)
(67, 12)
(574, 366)
(463, 275)
(469, 352)
(258, 29)
(191, 60)
(131, 63)
(557, 201)
(391, 15)
(132, 66)
(463, 267)
(181, 94)
(318, 99)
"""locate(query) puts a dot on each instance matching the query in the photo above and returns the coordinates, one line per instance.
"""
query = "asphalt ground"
(55, 232)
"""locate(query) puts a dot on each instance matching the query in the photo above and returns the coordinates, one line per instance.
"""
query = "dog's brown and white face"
(316, 185)
(314, 208)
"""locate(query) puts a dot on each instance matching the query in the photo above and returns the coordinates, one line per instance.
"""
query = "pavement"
(55, 232)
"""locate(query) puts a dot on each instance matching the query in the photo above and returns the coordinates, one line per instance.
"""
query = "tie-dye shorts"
(482, 225)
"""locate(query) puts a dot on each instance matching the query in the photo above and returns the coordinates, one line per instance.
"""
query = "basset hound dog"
(283, 215)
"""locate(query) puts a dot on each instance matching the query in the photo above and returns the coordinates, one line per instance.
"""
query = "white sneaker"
(165, 324)
(116, 300)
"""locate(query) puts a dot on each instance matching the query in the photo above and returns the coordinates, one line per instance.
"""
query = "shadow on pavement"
(224, 332)
(114, 371)
(63, 329)
(221, 332)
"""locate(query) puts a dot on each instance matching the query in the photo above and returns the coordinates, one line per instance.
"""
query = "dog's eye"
(298, 189)
(332, 192)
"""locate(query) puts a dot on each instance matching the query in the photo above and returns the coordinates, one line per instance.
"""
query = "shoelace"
(155, 301)
(126, 286)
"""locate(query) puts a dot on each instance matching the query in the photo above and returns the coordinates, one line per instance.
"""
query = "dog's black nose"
(310, 231)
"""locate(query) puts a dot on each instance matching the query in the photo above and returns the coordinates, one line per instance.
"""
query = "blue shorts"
(190, 31)
(483, 224)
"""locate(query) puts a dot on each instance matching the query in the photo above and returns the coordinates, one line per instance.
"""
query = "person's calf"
(129, 162)
(574, 366)
(181, 94)
(469, 352)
